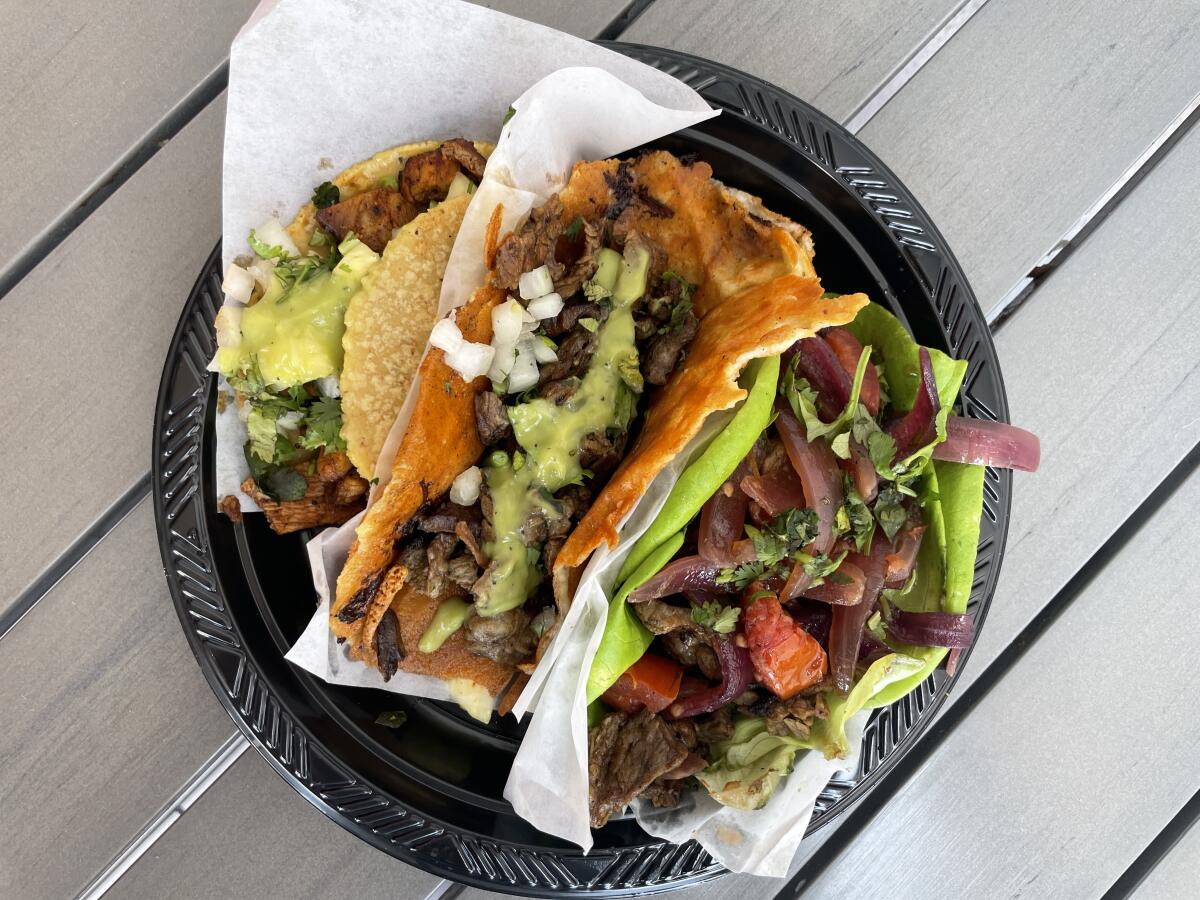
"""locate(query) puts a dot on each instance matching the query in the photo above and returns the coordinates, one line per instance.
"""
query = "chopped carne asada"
(557, 423)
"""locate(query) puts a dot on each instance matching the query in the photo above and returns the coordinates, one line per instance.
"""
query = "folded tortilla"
(758, 293)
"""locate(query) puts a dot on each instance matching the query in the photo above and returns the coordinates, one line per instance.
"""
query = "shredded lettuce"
(829, 734)
(748, 766)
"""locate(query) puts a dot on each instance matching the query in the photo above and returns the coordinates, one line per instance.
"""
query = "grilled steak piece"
(491, 418)
(664, 350)
(530, 246)
(506, 638)
(692, 648)
(626, 754)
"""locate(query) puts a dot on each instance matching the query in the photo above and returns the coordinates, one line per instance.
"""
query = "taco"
(613, 322)
(324, 326)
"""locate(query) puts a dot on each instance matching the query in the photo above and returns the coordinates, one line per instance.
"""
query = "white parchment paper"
(317, 85)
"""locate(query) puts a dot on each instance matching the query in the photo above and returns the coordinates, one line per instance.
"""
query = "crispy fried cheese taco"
(324, 326)
(613, 321)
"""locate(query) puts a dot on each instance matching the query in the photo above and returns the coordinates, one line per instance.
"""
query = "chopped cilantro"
(889, 510)
(512, 111)
(862, 523)
(266, 251)
(820, 566)
(596, 293)
(574, 229)
(686, 288)
(286, 484)
(326, 194)
(589, 323)
(392, 718)
(773, 545)
(323, 425)
(390, 181)
(721, 619)
(841, 445)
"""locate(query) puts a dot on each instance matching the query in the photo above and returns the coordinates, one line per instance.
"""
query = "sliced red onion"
(677, 576)
(982, 442)
(776, 491)
(723, 519)
(900, 563)
(918, 427)
(846, 629)
(849, 351)
(737, 674)
(835, 594)
(819, 476)
(931, 629)
(952, 661)
(861, 471)
(816, 362)
(871, 648)
(814, 618)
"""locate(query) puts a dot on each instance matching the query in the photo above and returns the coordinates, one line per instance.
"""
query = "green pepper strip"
(625, 638)
(701, 479)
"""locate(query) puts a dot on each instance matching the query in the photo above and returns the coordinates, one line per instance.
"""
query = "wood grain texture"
(84, 339)
(251, 835)
(82, 86)
(1024, 119)
(1177, 874)
(833, 55)
(105, 715)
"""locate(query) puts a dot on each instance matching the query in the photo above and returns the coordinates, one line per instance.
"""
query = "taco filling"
(371, 246)
(815, 561)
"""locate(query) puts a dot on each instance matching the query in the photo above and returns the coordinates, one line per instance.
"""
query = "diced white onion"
(506, 322)
(543, 352)
(229, 326)
(537, 283)
(446, 336)
(465, 489)
(546, 307)
(263, 271)
(289, 421)
(471, 360)
(503, 361)
(238, 284)
(459, 186)
(329, 386)
(524, 374)
(273, 234)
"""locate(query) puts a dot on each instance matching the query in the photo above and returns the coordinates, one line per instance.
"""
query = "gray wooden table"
(1053, 143)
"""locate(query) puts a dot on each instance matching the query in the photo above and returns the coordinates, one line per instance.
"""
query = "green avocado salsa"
(286, 363)
(551, 434)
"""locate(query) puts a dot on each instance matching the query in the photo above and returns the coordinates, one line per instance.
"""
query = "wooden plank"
(84, 88)
(251, 835)
(991, 133)
(1072, 764)
(1175, 877)
(833, 55)
(105, 715)
(85, 334)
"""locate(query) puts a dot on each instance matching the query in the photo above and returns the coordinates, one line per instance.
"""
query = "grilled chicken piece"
(427, 176)
(372, 216)
(324, 503)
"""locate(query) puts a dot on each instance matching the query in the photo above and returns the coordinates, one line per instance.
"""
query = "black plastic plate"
(430, 792)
